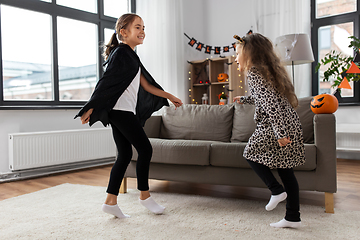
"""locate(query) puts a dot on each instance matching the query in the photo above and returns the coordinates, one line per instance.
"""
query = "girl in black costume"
(125, 97)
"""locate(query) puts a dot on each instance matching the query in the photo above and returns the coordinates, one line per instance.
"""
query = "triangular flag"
(353, 68)
(344, 84)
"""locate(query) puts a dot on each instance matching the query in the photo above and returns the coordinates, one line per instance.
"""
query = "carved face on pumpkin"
(324, 103)
(222, 77)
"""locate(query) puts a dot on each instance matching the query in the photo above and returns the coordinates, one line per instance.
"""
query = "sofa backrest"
(244, 125)
(198, 122)
(306, 118)
(233, 122)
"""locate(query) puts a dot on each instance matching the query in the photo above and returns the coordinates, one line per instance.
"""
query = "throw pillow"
(306, 118)
(243, 122)
(198, 122)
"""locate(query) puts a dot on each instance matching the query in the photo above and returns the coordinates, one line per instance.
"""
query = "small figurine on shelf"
(205, 99)
(204, 81)
(223, 77)
(222, 98)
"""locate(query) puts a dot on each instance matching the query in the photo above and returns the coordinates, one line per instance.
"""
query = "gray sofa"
(204, 144)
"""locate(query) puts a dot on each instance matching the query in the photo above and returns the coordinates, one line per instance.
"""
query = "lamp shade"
(294, 49)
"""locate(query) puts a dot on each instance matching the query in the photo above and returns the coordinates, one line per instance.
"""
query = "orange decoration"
(353, 68)
(324, 103)
(344, 84)
(222, 77)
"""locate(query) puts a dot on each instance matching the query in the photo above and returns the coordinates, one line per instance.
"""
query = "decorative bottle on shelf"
(205, 99)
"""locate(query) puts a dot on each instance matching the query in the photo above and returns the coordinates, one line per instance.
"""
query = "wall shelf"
(207, 71)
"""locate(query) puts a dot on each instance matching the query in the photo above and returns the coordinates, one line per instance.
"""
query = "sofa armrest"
(152, 126)
(325, 142)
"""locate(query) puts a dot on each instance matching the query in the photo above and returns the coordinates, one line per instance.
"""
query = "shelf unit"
(203, 78)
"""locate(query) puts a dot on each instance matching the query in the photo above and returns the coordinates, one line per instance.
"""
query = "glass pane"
(77, 51)
(326, 8)
(26, 54)
(334, 37)
(108, 34)
(85, 5)
(115, 8)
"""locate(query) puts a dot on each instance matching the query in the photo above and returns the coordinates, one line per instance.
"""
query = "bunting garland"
(354, 69)
(208, 49)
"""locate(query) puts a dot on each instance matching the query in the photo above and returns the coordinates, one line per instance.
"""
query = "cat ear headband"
(241, 40)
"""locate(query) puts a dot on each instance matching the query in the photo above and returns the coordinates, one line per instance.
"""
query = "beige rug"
(71, 211)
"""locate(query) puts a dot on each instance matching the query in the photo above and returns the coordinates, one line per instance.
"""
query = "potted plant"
(222, 98)
(339, 64)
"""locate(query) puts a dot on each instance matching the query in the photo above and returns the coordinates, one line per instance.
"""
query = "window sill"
(349, 104)
(44, 107)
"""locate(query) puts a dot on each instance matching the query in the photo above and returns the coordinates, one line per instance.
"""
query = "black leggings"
(128, 131)
(290, 183)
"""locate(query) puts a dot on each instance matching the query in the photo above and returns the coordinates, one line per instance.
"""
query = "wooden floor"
(347, 196)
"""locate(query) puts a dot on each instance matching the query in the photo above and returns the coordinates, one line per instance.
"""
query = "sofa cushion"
(184, 152)
(231, 155)
(306, 118)
(310, 158)
(198, 122)
(243, 122)
(228, 155)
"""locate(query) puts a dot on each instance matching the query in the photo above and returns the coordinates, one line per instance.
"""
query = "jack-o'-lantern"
(222, 77)
(324, 103)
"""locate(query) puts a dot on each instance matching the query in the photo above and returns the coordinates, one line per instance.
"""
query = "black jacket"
(122, 66)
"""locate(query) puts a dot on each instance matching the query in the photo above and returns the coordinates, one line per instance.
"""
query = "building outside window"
(56, 58)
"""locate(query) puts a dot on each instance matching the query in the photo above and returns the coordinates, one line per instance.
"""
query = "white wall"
(348, 115)
(214, 23)
(16, 121)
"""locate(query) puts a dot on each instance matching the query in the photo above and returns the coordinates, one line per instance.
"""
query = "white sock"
(150, 204)
(114, 210)
(286, 224)
(274, 201)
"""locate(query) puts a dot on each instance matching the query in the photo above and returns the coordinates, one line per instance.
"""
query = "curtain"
(274, 18)
(163, 50)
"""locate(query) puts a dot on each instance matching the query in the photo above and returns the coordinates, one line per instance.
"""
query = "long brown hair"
(258, 51)
(122, 23)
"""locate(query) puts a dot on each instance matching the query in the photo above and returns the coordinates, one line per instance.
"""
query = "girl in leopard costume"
(277, 142)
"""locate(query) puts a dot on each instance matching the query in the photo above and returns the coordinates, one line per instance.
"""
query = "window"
(85, 5)
(77, 51)
(333, 21)
(325, 38)
(50, 51)
(115, 8)
(326, 8)
(26, 54)
(334, 37)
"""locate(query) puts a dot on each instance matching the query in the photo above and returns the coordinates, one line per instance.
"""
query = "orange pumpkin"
(222, 77)
(324, 103)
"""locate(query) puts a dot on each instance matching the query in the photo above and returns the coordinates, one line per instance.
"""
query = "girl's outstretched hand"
(85, 118)
(237, 99)
(284, 141)
(176, 101)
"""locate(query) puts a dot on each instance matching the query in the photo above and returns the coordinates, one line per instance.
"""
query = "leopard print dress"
(275, 119)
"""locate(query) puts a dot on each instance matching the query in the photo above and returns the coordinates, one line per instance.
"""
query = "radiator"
(348, 141)
(42, 149)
